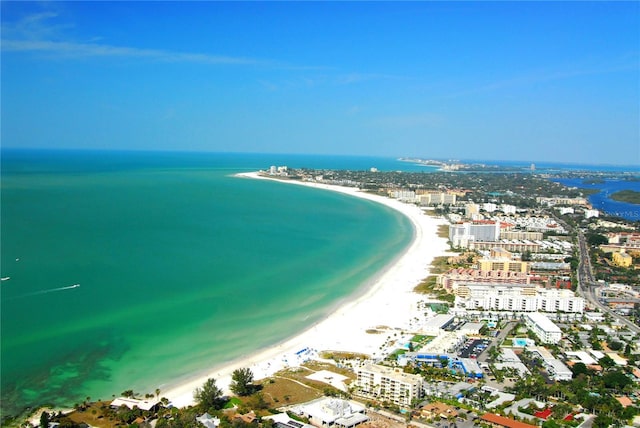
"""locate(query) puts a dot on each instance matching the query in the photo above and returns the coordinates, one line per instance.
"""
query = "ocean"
(180, 265)
(131, 270)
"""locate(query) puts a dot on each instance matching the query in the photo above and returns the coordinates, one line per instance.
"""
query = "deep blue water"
(601, 200)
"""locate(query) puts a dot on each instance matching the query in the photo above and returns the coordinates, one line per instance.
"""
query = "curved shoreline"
(388, 300)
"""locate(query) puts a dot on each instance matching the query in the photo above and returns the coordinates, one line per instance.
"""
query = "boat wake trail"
(52, 290)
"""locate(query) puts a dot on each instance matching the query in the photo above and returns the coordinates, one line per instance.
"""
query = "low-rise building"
(283, 420)
(438, 409)
(208, 421)
(134, 402)
(501, 422)
(436, 325)
(543, 327)
(328, 412)
(622, 259)
(558, 370)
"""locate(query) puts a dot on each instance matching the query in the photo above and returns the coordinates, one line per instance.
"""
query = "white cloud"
(71, 49)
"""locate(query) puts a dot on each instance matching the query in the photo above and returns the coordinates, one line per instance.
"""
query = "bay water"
(131, 270)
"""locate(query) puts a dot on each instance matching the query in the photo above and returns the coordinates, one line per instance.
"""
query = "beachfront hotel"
(515, 298)
(388, 384)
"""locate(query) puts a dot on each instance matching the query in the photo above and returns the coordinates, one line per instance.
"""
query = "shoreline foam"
(389, 300)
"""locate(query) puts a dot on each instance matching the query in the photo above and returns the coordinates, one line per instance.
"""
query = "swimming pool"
(521, 343)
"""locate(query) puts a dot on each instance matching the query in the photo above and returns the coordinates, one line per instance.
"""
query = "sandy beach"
(388, 301)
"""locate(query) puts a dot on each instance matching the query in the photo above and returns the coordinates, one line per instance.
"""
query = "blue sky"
(529, 81)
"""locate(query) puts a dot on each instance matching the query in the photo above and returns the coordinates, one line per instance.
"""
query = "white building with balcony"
(386, 383)
(543, 327)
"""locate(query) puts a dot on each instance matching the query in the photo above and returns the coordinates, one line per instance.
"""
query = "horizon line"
(396, 157)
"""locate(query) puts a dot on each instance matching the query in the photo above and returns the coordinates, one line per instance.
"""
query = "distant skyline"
(518, 81)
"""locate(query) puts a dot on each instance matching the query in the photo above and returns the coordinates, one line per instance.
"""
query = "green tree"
(128, 393)
(579, 368)
(257, 401)
(616, 380)
(183, 419)
(602, 421)
(242, 382)
(595, 239)
(44, 420)
(615, 345)
(209, 396)
(627, 350)
(606, 362)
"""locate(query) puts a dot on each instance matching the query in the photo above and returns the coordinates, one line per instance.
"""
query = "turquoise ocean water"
(181, 265)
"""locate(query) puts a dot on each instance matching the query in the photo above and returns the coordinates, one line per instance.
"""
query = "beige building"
(386, 383)
(622, 259)
(476, 276)
(503, 264)
(515, 246)
(521, 234)
(436, 198)
(471, 209)
(438, 409)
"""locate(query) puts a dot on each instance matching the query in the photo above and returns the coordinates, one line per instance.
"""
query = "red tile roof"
(505, 422)
(543, 414)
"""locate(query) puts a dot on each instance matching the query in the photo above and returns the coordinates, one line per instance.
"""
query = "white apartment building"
(561, 201)
(543, 327)
(591, 213)
(489, 207)
(464, 234)
(389, 384)
(404, 195)
(508, 209)
(566, 210)
(516, 298)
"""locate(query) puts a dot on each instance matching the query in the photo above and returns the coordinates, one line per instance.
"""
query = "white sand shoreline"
(389, 301)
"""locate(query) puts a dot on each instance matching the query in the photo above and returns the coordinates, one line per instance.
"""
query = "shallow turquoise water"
(181, 266)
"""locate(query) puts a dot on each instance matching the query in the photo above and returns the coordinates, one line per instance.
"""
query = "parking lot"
(473, 347)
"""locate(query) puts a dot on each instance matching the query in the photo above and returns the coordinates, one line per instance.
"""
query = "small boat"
(75, 286)
(5, 278)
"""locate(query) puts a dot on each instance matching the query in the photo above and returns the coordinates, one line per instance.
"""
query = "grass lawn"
(94, 416)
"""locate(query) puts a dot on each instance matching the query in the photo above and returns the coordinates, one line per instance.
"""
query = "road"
(587, 286)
